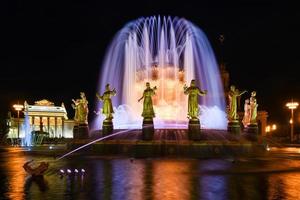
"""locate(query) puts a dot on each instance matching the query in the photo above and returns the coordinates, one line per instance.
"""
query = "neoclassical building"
(43, 116)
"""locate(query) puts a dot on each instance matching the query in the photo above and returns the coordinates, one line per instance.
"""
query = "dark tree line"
(4, 128)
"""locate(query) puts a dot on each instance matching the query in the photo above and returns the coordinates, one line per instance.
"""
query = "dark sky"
(54, 49)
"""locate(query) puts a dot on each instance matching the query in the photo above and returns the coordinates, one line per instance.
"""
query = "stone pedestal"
(252, 131)
(148, 129)
(107, 127)
(194, 131)
(234, 127)
(81, 131)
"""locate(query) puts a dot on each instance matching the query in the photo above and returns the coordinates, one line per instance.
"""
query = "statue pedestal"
(194, 131)
(252, 131)
(81, 131)
(148, 129)
(234, 127)
(107, 127)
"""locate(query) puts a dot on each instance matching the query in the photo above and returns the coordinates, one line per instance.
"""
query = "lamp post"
(18, 108)
(292, 105)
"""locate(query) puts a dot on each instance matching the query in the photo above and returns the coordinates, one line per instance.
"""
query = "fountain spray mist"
(27, 139)
(168, 53)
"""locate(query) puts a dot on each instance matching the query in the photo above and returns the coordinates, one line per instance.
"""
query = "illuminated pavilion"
(43, 116)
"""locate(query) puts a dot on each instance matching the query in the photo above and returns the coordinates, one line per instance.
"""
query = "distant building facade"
(43, 116)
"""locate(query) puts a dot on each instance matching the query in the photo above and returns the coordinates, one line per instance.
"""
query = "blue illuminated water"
(27, 139)
(123, 178)
(167, 52)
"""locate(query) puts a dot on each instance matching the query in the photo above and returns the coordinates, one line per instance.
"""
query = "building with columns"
(46, 117)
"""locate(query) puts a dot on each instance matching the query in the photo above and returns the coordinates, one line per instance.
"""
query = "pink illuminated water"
(168, 53)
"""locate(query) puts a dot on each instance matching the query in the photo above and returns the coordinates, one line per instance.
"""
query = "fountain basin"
(171, 143)
(142, 149)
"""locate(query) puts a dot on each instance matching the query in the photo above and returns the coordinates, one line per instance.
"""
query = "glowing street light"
(292, 105)
(18, 108)
(268, 129)
(274, 127)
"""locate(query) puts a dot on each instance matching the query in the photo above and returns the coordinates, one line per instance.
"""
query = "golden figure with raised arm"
(232, 109)
(193, 92)
(148, 111)
(107, 109)
(253, 108)
(81, 109)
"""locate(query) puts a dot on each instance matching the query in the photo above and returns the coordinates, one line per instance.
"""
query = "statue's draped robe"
(246, 118)
(148, 111)
(232, 112)
(76, 117)
(253, 110)
(107, 104)
(193, 92)
(81, 111)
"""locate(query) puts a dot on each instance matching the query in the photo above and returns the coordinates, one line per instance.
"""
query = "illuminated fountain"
(168, 53)
(27, 139)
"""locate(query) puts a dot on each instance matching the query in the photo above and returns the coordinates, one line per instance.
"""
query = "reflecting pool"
(276, 176)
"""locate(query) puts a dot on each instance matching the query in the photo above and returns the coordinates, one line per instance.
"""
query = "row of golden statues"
(250, 107)
(81, 105)
(193, 91)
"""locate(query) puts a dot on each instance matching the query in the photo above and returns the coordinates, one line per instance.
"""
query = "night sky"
(54, 50)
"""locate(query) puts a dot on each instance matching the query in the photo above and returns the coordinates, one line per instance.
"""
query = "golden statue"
(232, 110)
(246, 118)
(193, 91)
(253, 108)
(81, 109)
(148, 111)
(107, 109)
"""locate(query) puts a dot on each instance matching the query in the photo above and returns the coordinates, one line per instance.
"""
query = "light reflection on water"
(171, 179)
(273, 177)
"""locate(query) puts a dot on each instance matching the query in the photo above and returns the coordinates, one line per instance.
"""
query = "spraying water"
(27, 139)
(168, 53)
(94, 141)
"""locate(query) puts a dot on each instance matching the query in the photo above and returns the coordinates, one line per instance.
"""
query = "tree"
(4, 126)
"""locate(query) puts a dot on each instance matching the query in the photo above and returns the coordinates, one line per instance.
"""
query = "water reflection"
(245, 186)
(284, 186)
(171, 179)
(122, 178)
(217, 190)
(15, 174)
(39, 181)
(127, 179)
(148, 180)
(212, 184)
